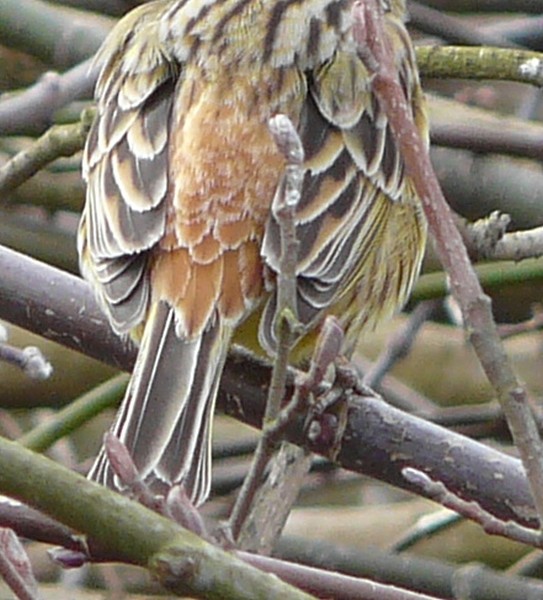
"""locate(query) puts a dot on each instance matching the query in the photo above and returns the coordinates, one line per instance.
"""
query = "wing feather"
(125, 164)
(360, 228)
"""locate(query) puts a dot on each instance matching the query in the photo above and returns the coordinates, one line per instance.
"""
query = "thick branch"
(58, 35)
(379, 441)
(452, 29)
(125, 530)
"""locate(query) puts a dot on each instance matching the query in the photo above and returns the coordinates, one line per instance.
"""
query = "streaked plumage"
(177, 236)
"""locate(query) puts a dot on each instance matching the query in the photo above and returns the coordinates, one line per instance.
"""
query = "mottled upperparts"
(280, 33)
(277, 32)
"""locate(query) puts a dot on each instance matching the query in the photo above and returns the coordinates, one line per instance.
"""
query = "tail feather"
(165, 417)
(187, 457)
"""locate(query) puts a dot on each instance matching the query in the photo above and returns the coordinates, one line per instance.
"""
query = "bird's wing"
(125, 164)
(165, 417)
(357, 224)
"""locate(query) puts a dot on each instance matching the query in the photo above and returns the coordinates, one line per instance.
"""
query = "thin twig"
(481, 63)
(30, 360)
(176, 505)
(534, 323)
(400, 345)
(81, 410)
(397, 393)
(472, 510)
(273, 501)
(15, 567)
(284, 208)
(475, 305)
(424, 528)
(32, 111)
(60, 140)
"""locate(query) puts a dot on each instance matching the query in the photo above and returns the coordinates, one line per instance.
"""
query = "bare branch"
(332, 585)
(30, 360)
(472, 510)
(466, 288)
(379, 440)
(400, 344)
(32, 111)
(452, 29)
(15, 567)
(60, 140)
(284, 208)
(57, 35)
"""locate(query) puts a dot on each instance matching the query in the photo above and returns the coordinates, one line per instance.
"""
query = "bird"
(177, 237)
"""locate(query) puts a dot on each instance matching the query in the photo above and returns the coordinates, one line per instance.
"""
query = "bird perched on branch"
(177, 236)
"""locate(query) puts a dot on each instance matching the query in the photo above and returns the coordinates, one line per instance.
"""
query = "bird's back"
(177, 235)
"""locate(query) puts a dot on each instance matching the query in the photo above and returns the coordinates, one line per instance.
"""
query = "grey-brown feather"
(338, 231)
(165, 417)
(126, 167)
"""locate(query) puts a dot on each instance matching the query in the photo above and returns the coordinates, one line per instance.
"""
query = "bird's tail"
(166, 414)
